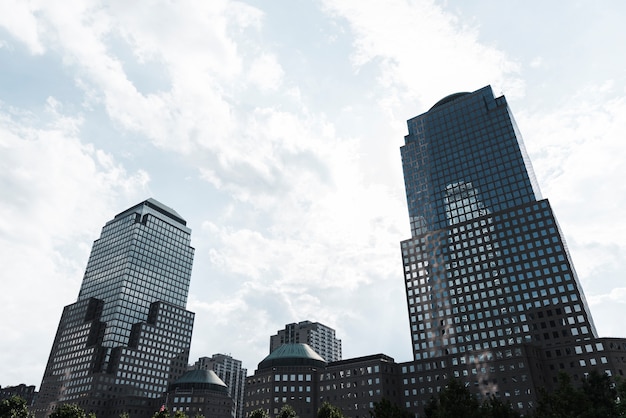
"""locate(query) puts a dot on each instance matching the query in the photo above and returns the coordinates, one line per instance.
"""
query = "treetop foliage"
(329, 411)
(14, 407)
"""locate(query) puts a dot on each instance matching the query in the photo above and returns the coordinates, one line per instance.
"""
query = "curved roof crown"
(448, 99)
(293, 355)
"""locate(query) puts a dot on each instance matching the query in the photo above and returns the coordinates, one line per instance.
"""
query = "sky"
(274, 128)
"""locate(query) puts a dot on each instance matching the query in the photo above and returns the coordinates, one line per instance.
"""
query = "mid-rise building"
(27, 393)
(355, 385)
(295, 375)
(127, 337)
(289, 375)
(231, 372)
(200, 392)
(319, 337)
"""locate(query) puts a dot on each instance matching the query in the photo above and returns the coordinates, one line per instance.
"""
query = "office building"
(355, 385)
(200, 392)
(127, 337)
(231, 372)
(319, 337)
(295, 375)
(27, 393)
(492, 294)
(289, 375)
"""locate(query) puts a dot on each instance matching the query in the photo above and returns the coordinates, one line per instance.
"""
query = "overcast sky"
(273, 128)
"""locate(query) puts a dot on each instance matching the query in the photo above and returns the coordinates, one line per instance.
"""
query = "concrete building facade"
(319, 337)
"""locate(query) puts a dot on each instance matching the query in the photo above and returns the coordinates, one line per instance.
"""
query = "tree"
(455, 400)
(386, 409)
(14, 407)
(259, 413)
(329, 411)
(620, 404)
(601, 395)
(69, 410)
(564, 402)
(495, 408)
(163, 412)
(287, 411)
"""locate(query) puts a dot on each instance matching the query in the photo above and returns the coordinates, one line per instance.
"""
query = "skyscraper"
(492, 294)
(319, 337)
(128, 335)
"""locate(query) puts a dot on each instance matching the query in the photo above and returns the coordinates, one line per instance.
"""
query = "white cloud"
(266, 72)
(18, 18)
(57, 192)
(424, 53)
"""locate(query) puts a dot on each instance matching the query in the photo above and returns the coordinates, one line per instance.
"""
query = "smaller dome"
(293, 355)
(200, 379)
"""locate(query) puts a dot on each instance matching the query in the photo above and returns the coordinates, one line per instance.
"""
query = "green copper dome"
(293, 355)
(200, 379)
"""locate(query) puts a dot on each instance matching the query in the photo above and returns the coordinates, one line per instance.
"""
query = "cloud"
(57, 193)
(266, 72)
(577, 152)
(424, 53)
(18, 18)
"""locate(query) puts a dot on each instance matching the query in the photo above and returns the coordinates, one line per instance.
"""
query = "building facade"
(27, 393)
(200, 392)
(355, 385)
(289, 375)
(319, 337)
(295, 375)
(492, 295)
(127, 337)
(231, 372)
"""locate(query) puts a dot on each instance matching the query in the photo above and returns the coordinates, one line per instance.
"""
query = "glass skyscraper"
(128, 335)
(492, 295)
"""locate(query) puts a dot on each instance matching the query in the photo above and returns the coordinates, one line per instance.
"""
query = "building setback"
(492, 295)
(319, 337)
(127, 337)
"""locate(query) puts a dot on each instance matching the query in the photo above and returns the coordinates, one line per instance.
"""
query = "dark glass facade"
(492, 293)
(128, 336)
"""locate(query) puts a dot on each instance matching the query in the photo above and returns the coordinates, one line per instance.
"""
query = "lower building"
(356, 384)
(297, 376)
(289, 375)
(25, 392)
(231, 372)
(200, 393)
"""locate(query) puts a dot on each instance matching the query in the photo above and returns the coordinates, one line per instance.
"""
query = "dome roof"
(293, 355)
(200, 379)
(448, 99)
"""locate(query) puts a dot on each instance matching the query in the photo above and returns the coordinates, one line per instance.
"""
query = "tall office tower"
(491, 290)
(128, 335)
(231, 372)
(318, 336)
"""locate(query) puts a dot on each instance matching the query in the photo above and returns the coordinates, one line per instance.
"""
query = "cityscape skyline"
(285, 137)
